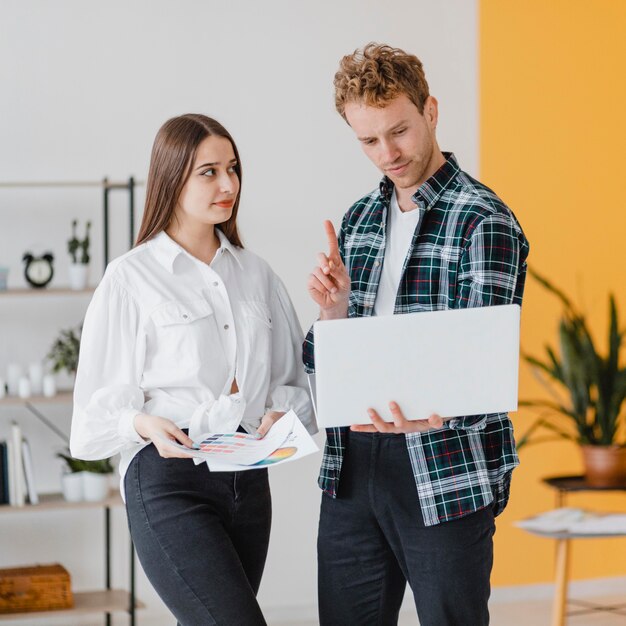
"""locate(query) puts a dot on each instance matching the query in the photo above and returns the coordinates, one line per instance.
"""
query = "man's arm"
(492, 271)
(329, 286)
(493, 264)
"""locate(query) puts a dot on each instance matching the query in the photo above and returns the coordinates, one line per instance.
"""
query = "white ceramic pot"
(78, 275)
(95, 486)
(72, 486)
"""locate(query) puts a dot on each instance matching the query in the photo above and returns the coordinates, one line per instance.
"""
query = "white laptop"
(454, 363)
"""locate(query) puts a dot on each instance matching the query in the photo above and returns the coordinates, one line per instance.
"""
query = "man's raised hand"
(329, 283)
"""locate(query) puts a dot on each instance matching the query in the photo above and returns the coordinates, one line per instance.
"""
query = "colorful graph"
(278, 455)
(225, 443)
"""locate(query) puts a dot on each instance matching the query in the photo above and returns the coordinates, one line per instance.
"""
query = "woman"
(190, 332)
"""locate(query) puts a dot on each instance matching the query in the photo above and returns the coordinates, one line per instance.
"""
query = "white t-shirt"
(400, 229)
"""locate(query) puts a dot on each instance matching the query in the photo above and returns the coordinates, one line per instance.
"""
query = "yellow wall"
(553, 140)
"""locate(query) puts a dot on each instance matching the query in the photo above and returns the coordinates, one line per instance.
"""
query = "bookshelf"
(62, 397)
(46, 291)
(85, 602)
(107, 600)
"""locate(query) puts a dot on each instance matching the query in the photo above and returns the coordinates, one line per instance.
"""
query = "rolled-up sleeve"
(107, 393)
(288, 385)
(492, 272)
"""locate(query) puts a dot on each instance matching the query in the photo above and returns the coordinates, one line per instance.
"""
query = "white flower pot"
(95, 486)
(72, 486)
(78, 275)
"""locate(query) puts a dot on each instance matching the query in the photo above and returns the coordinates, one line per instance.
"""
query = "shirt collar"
(430, 191)
(166, 250)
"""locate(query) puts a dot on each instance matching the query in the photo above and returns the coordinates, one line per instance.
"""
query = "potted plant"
(79, 251)
(588, 393)
(63, 354)
(85, 480)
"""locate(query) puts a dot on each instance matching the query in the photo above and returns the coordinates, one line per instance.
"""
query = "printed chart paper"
(287, 440)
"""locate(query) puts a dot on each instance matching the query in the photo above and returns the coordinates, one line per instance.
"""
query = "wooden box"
(35, 588)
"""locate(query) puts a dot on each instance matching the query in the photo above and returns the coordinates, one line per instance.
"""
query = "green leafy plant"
(79, 248)
(78, 465)
(594, 386)
(63, 354)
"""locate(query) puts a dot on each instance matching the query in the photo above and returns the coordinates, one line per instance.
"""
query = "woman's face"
(210, 192)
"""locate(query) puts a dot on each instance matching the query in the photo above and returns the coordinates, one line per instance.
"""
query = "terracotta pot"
(605, 466)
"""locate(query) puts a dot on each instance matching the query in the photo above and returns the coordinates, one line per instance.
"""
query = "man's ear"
(431, 111)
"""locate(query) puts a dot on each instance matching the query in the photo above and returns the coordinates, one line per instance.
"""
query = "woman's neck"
(200, 243)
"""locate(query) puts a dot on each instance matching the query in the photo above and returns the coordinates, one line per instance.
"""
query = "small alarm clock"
(38, 270)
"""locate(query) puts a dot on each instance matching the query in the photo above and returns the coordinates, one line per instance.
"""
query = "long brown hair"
(171, 162)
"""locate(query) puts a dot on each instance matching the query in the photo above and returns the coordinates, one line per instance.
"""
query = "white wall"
(85, 86)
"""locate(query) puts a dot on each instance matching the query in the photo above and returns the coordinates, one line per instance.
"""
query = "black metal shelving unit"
(108, 187)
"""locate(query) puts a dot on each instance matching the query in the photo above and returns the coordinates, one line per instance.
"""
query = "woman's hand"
(329, 283)
(159, 431)
(267, 421)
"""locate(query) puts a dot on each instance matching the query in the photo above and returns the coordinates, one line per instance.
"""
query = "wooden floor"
(527, 613)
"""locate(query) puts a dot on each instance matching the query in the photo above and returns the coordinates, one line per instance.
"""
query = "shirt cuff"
(469, 422)
(126, 426)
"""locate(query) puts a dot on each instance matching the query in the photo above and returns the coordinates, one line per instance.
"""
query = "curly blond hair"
(377, 74)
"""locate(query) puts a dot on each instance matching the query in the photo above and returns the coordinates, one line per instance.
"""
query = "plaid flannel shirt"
(467, 251)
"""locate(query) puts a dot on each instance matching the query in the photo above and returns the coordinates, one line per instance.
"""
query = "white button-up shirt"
(166, 334)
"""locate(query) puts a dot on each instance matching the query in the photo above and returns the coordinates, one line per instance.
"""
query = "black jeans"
(372, 540)
(200, 536)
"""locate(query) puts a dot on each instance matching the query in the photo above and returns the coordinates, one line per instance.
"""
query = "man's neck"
(405, 195)
(405, 199)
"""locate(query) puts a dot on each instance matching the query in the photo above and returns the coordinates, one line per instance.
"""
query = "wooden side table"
(564, 485)
(568, 484)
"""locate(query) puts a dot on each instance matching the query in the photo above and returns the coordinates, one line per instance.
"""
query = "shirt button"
(226, 326)
(185, 316)
(215, 284)
(376, 263)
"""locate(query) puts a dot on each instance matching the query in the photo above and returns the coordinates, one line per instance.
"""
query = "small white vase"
(72, 486)
(95, 486)
(78, 275)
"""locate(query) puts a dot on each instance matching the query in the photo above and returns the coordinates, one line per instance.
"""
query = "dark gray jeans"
(372, 540)
(201, 537)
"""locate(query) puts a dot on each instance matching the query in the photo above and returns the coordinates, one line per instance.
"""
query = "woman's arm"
(288, 385)
(108, 399)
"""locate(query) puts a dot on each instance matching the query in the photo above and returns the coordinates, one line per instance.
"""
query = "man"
(411, 500)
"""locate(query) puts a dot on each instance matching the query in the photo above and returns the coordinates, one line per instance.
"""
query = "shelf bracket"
(42, 418)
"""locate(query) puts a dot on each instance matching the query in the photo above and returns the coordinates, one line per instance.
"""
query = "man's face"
(397, 138)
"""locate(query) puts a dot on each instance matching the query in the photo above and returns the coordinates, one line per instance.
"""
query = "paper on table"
(287, 440)
(576, 521)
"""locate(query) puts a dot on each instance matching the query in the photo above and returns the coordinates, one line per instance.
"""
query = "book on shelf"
(4, 473)
(16, 467)
(17, 477)
(29, 474)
